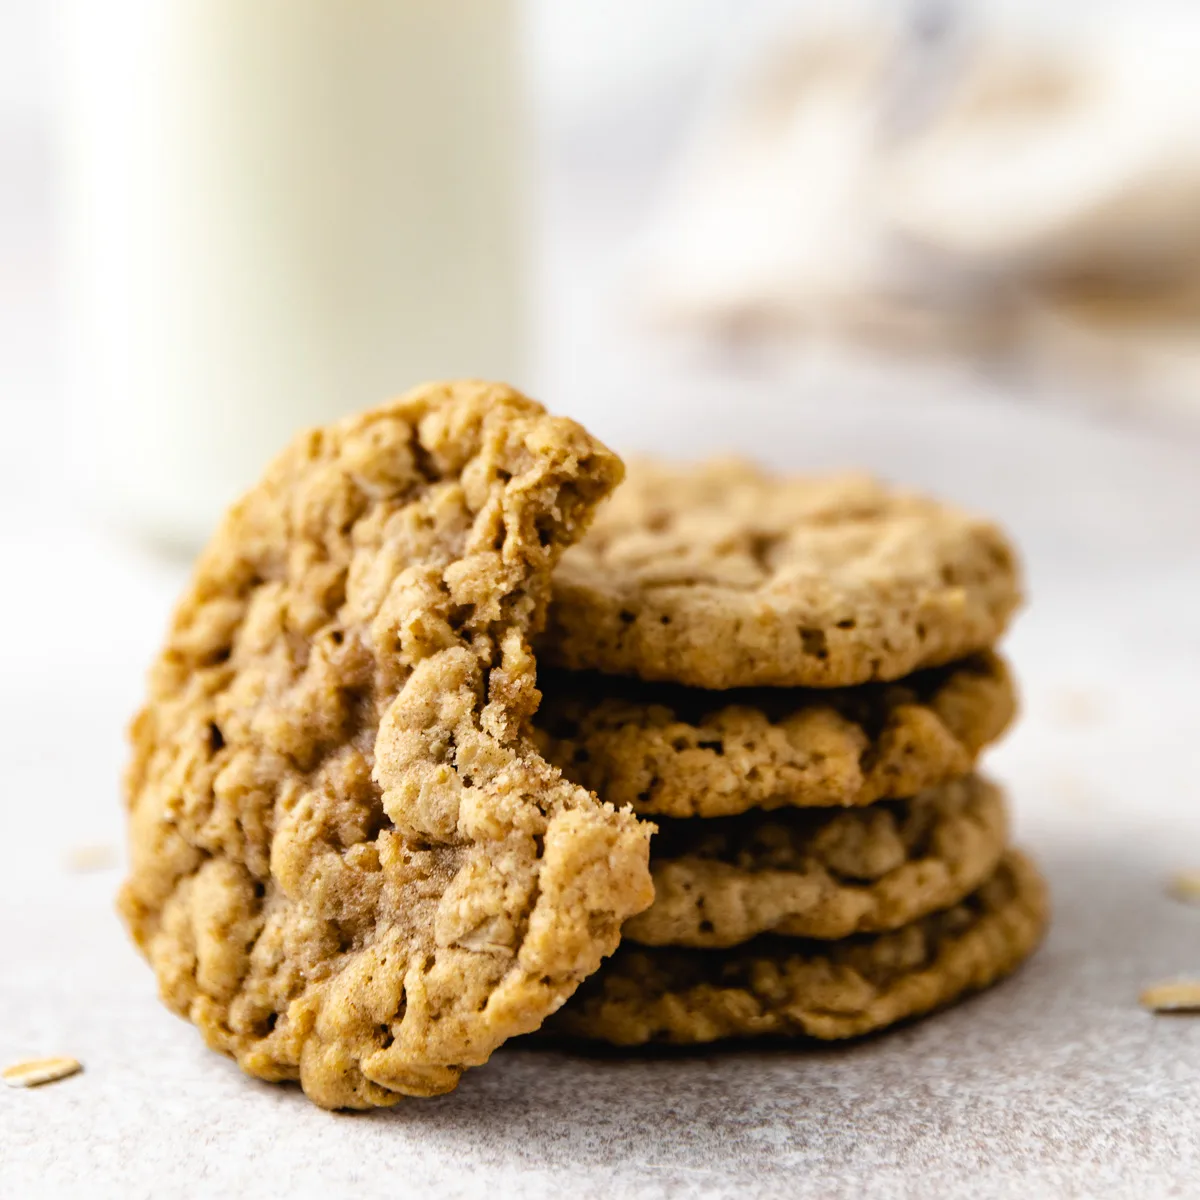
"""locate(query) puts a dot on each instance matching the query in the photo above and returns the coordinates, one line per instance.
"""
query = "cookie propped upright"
(350, 866)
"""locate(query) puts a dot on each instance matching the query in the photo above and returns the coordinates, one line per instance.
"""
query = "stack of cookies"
(793, 680)
(361, 858)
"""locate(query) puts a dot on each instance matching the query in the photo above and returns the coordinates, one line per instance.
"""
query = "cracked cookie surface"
(349, 864)
(820, 873)
(721, 576)
(684, 752)
(827, 990)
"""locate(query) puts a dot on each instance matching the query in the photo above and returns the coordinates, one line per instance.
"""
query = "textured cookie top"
(822, 873)
(720, 576)
(349, 864)
(683, 752)
(814, 989)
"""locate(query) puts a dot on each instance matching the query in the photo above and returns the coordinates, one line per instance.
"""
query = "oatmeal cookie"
(825, 990)
(721, 576)
(684, 752)
(349, 864)
(821, 873)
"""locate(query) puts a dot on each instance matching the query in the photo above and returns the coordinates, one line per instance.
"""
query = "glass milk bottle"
(278, 212)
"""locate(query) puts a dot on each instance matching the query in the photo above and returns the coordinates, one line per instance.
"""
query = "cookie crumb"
(36, 1071)
(98, 857)
(1077, 707)
(1176, 996)
(1185, 887)
(1073, 791)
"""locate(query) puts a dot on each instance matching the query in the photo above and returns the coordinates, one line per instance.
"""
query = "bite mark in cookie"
(349, 864)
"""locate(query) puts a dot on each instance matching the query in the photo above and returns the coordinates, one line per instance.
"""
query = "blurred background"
(956, 243)
(688, 222)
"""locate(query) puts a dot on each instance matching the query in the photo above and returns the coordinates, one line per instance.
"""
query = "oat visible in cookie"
(349, 865)
(684, 752)
(822, 990)
(821, 873)
(721, 576)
